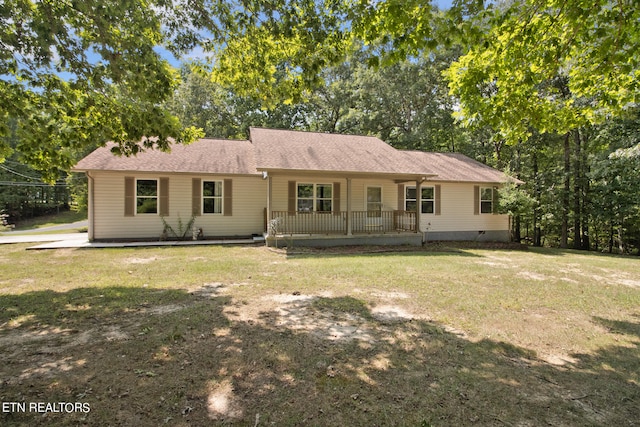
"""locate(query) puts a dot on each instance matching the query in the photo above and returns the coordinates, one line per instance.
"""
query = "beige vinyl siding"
(284, 186)
(389, 194)
(281, 191)
(457, 207)
(248, 202)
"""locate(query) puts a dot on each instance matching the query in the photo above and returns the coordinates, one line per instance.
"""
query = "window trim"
(203, 197)
(433, 200)
(490, 201)
(314, 197)
(156, 197)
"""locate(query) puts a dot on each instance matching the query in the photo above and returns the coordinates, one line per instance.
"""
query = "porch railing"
(360, 222)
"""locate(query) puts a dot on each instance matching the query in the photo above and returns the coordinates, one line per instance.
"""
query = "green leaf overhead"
(550, 66)
(75, 74)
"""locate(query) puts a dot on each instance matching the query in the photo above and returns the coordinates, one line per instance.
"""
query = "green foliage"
(514, 200)
(183, 229)
(274, 51)
(549, 65)
(77, 74)
(616, 202)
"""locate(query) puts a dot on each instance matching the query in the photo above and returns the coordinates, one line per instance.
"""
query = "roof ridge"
(210, 138)
(314, 132)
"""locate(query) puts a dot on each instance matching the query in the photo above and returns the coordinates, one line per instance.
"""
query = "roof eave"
(401, 176)
(164, 172)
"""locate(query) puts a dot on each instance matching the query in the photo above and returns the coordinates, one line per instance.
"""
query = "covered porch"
(342, 222)
(322, 209)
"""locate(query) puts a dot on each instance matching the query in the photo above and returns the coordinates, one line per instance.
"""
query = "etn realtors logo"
(45, 407)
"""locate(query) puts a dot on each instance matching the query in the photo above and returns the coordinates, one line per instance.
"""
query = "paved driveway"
(61, 227)
(44, 234)
(34, 238)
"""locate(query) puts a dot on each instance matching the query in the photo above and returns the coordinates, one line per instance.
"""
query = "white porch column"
(418, 204)
(349, 231)
(269, 201)
(90, 210)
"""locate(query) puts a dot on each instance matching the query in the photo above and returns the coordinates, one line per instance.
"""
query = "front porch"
(341, 222)
(316, 210)
(288, 228)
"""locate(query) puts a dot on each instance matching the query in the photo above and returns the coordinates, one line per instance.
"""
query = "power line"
(18, 173)
(32, 184)
(37, 183)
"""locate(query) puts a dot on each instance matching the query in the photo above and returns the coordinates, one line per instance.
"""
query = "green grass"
(250, 335)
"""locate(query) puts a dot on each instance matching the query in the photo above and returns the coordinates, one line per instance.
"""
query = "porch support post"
(418, 204)
(349, 231)
(90, 205)
(269, 202)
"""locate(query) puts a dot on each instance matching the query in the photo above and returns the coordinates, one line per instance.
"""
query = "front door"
(374, 202)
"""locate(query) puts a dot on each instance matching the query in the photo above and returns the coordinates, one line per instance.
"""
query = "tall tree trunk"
(537, 234)
(578, 177)
(621, 236)
(564, 234)
(611, 237)
(587, 214)
(517, 229)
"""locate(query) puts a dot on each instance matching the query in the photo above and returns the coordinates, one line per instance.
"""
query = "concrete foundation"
(412, 239)
(468, 236)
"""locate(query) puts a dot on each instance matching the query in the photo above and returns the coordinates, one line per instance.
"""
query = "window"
(146, 196)
(314, 197)
(486, 200)
(374, 202)
(427, 200)
(410, 199)
(212, 197)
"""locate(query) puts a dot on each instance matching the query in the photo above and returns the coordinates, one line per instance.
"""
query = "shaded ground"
(148, 357)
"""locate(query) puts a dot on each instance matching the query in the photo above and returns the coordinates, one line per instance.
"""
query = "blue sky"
(199, 53)
(443, 4)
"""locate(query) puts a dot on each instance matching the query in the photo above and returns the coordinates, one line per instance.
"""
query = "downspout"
(90, 206)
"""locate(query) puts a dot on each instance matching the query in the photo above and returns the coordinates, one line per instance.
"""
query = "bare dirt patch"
(529, 275)
(140, 260)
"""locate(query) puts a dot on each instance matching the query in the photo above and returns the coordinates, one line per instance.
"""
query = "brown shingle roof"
(312, 151)
(203, 156)
(272, 149)
(456, 167)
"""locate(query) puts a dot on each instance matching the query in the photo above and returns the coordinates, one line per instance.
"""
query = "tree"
(550, 65)
(615, 188)
(79, 73)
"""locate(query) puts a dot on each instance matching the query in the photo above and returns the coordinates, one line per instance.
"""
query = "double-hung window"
(147, 196)
(314, 197)
(427, 199)
(486, 200)
(212, 197)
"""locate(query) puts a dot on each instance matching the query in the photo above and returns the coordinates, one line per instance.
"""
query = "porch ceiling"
(398, 178)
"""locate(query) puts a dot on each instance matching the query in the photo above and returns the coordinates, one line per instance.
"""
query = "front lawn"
(258, 337)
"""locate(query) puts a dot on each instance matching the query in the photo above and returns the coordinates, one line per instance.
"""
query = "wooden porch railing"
(361, 222)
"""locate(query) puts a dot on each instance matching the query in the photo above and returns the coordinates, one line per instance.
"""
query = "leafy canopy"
(550, 66)
(75, 74)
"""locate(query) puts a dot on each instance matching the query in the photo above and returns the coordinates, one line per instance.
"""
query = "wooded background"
(546, 90)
